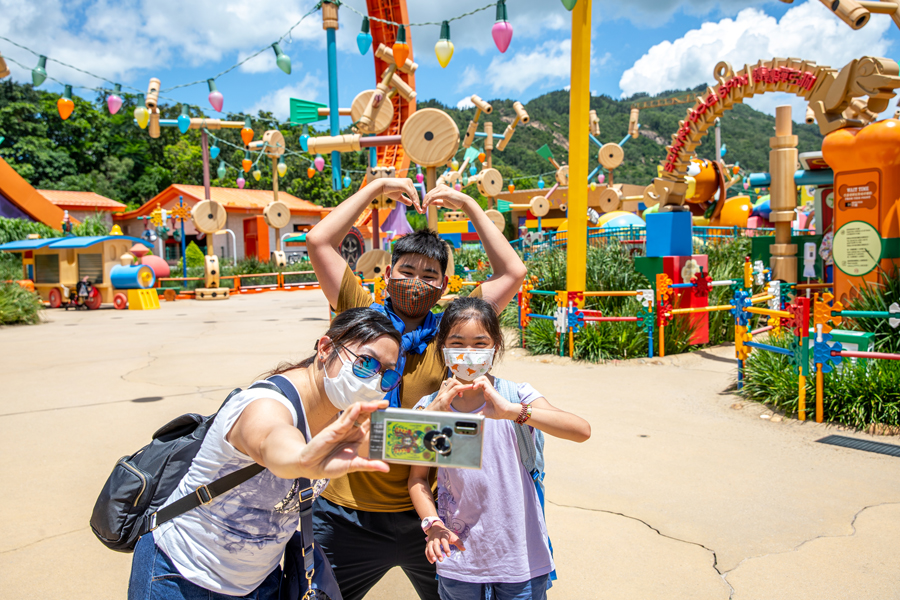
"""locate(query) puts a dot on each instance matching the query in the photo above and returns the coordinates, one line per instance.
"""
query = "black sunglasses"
(365, 366)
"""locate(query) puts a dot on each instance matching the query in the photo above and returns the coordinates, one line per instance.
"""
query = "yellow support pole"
(768, 311)
(662, 340)
(820, 406)
(579, 148)
(609, 294)
(700, 309)
(801, 406)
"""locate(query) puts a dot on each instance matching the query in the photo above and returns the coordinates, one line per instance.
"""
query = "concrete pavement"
(682, 492)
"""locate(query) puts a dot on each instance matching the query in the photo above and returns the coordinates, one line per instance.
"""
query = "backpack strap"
(524, 437)
(206, 493)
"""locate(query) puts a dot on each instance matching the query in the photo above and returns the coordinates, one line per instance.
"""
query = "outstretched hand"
(402, 190)
(342, 447)
(445, 197)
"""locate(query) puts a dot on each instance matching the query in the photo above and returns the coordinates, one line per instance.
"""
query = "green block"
(649, 267)
(854, 341)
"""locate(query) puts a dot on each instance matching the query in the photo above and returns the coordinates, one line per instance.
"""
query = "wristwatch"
(428, 522)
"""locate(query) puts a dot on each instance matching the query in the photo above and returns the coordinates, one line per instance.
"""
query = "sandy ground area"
(683, 491)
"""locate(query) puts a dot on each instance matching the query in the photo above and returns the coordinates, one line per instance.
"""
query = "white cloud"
(279, 102)
(808, 31)
(119, 39)
(465, 103)
(548, 63)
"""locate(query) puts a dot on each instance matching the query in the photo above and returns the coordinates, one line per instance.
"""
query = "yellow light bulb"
(142, 116)
(282, 169)
(257, 174)
(443, 49)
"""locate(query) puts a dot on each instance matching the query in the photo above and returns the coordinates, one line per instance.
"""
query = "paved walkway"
(682, 492)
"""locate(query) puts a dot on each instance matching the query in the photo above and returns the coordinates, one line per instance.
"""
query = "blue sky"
(638, 45)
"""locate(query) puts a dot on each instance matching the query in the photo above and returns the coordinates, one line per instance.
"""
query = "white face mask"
(468, 364)
(345, 388)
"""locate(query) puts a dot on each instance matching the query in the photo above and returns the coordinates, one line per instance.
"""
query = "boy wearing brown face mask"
(366, 523)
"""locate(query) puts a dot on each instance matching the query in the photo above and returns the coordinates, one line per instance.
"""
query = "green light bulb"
(281, 59)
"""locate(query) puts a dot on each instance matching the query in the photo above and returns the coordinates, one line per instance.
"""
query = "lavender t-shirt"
(495, 511)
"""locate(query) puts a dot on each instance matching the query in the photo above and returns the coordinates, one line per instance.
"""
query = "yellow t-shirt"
(385, 492)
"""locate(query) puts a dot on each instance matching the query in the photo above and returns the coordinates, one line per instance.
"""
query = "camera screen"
(404, 440)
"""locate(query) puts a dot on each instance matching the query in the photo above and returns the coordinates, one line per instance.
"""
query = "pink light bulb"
(502, 33)
(114, 102)
(241, 181)
(746, 184)
(319, 162)
(601, 178)
(215, 96)
(420, 178)
(457, 187)
(217, 100)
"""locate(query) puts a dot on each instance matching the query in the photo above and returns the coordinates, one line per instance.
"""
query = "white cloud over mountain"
(808, 31)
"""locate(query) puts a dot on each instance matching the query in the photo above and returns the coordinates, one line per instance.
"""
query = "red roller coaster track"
(392, 10)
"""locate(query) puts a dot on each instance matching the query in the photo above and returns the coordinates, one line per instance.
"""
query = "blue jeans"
(154, 577)
(534, 589)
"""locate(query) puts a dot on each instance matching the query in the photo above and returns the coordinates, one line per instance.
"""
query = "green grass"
(18, 305)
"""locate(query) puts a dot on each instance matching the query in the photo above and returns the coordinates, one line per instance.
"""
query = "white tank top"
(231, 544)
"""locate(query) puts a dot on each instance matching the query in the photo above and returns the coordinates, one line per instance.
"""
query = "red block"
(685, 297)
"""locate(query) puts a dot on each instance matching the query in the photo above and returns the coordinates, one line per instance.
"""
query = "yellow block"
(143, 299)
(453, 227)
(545, 223)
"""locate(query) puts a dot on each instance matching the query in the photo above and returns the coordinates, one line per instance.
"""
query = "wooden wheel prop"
(384, 114)
(374, 263)
(277, 215)
(209, 216)
(611, 156)
(430, 137)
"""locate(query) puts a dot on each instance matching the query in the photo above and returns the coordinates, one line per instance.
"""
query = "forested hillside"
(108, 154)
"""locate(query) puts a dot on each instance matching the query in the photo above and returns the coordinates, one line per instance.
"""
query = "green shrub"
(195, 256)
(10, 266)
(858, 396)
(12, 230)
(18, 305)
(877, 298)
(92, 225)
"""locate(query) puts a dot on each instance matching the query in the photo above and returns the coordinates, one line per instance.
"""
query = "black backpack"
(139, 484)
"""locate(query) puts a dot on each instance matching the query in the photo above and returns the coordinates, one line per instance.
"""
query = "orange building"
(83, 204)
(252, 237)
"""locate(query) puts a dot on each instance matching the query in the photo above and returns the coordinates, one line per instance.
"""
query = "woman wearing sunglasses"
(316, 429)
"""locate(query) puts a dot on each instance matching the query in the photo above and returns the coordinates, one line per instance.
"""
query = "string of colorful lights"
(501, 31)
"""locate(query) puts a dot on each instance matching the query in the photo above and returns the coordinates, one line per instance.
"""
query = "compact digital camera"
(422, 437)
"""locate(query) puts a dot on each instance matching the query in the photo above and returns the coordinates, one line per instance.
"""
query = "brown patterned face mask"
(413, 297)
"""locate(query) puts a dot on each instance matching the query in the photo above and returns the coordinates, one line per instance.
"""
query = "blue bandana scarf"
(415, 341)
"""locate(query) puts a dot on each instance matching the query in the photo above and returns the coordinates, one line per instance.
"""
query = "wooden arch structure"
(834, 97)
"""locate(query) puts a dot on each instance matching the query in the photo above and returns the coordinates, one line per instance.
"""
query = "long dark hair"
(353, 326)
(466, 309)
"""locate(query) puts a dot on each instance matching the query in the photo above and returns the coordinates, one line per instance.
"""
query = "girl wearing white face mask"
(231, 544)
(487, 531)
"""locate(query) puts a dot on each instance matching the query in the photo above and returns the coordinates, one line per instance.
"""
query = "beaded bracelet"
(524, 415)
